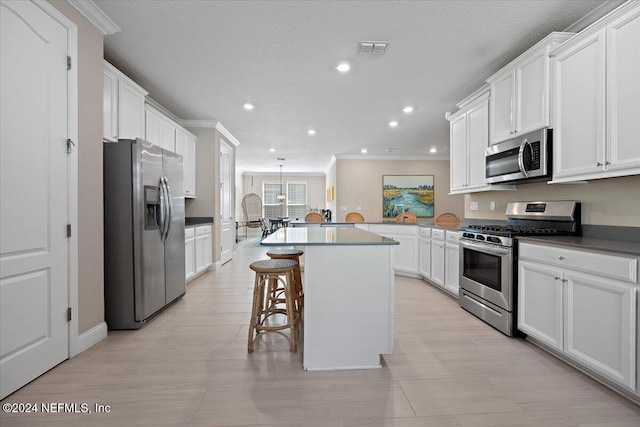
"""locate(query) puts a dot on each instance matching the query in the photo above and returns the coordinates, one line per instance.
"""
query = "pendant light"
(281, 197)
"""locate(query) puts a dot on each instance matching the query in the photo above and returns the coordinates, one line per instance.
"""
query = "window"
(296, 199)
(296, 205)
(272, 208)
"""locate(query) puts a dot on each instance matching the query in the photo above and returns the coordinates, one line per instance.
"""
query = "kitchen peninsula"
(349, 292)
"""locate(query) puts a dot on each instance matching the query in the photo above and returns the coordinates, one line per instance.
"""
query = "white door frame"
(75, 346)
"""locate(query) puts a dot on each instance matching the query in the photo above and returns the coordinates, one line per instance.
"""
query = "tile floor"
(190, 367)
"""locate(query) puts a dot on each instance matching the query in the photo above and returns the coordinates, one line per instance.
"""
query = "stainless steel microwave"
(524, 158)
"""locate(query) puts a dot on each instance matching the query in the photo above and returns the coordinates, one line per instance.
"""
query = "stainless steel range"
(488, 260)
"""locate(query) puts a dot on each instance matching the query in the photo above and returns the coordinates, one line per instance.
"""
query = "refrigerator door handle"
(169, 206)
(163, 213)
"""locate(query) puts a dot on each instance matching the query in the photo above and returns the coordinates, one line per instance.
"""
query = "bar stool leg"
(256, 309)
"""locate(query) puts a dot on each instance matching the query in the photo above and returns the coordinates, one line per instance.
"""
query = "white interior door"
(34, 286)
(227, 225)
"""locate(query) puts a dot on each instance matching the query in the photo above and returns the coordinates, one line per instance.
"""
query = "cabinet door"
(200, 253)
(208, 251)
(623, 93)
(477, 142)
(190, 261)
(110, 106)
(540, 308)
(406, 256)
(190, 168)
(458, 150)
(452, 268)
(532, 93)
(159, 130)
(579, 109)
(502, 108)
(600, 326)
(425, 258)
(185, 146)
(130, 112)
(437, 262)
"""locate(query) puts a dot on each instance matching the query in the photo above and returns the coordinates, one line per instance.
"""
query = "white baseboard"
(90, 338)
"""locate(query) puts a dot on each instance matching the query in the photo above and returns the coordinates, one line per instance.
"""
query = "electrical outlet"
(343, 208)
(492, 205)
(474, 206)
(358, 208)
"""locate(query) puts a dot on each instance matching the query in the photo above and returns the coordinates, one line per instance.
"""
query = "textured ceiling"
(203, 60)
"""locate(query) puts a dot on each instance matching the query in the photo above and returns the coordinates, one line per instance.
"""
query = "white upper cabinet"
(122, 106)
(185, 145)
(520, 92)
(596, 99)
(468, 139)
(159, 129)
(623, 93)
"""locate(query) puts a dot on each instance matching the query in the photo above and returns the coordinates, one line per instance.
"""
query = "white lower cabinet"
(406, 253)
(425, 258)
(452, 268)
(570, 301)
(437, 262)
(198, 250)
(189, 253)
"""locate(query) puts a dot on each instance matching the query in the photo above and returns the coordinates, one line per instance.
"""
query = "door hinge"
(68, 62)
(69, 314)
(68, 230)
(70, 144)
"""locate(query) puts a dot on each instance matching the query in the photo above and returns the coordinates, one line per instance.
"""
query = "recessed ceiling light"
(343, 67)
(363, 151)
(393, 124)
(272, 150)
(433, 150)
(248, 106)
(311, 132)
(407, 109)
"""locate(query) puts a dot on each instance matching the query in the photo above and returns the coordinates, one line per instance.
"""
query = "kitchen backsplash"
(612, 201)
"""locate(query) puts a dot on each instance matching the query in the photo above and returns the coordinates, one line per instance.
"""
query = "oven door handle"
(492, 250)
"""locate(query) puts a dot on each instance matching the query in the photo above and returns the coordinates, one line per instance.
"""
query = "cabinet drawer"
(597, 263)
(425, 232)
(189, 232)
(203, 229)
(437, 234)
(452, 237)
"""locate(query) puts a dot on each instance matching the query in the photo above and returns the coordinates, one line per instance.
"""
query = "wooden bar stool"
(272, 274)
(294, 255)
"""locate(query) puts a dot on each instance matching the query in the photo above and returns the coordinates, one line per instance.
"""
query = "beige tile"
(190, 366)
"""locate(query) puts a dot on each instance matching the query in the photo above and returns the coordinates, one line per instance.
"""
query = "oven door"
(486, 271)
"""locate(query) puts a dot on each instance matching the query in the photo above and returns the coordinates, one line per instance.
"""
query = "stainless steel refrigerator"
(144, 264)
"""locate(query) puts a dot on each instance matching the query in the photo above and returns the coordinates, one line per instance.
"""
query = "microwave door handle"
(521, 158)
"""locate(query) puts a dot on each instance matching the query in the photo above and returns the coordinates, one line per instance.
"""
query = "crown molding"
(594, 15)
(226, 134)
(199, 123)
(153, 103)
(96, 16)
(406, 157)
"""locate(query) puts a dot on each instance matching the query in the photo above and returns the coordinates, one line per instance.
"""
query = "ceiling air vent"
(372, 48)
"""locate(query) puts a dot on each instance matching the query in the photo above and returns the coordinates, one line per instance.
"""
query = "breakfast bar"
(348, 287)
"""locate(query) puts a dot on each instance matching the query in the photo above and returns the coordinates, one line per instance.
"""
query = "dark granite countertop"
(591, 243)
(197, 220)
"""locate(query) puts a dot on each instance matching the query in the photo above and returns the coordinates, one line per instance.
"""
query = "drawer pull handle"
(556, 277)
(561, 258)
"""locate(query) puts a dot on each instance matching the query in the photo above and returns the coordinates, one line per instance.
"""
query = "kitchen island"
(348, 295)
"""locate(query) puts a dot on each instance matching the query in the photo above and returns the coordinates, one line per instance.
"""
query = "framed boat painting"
(407, 193)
